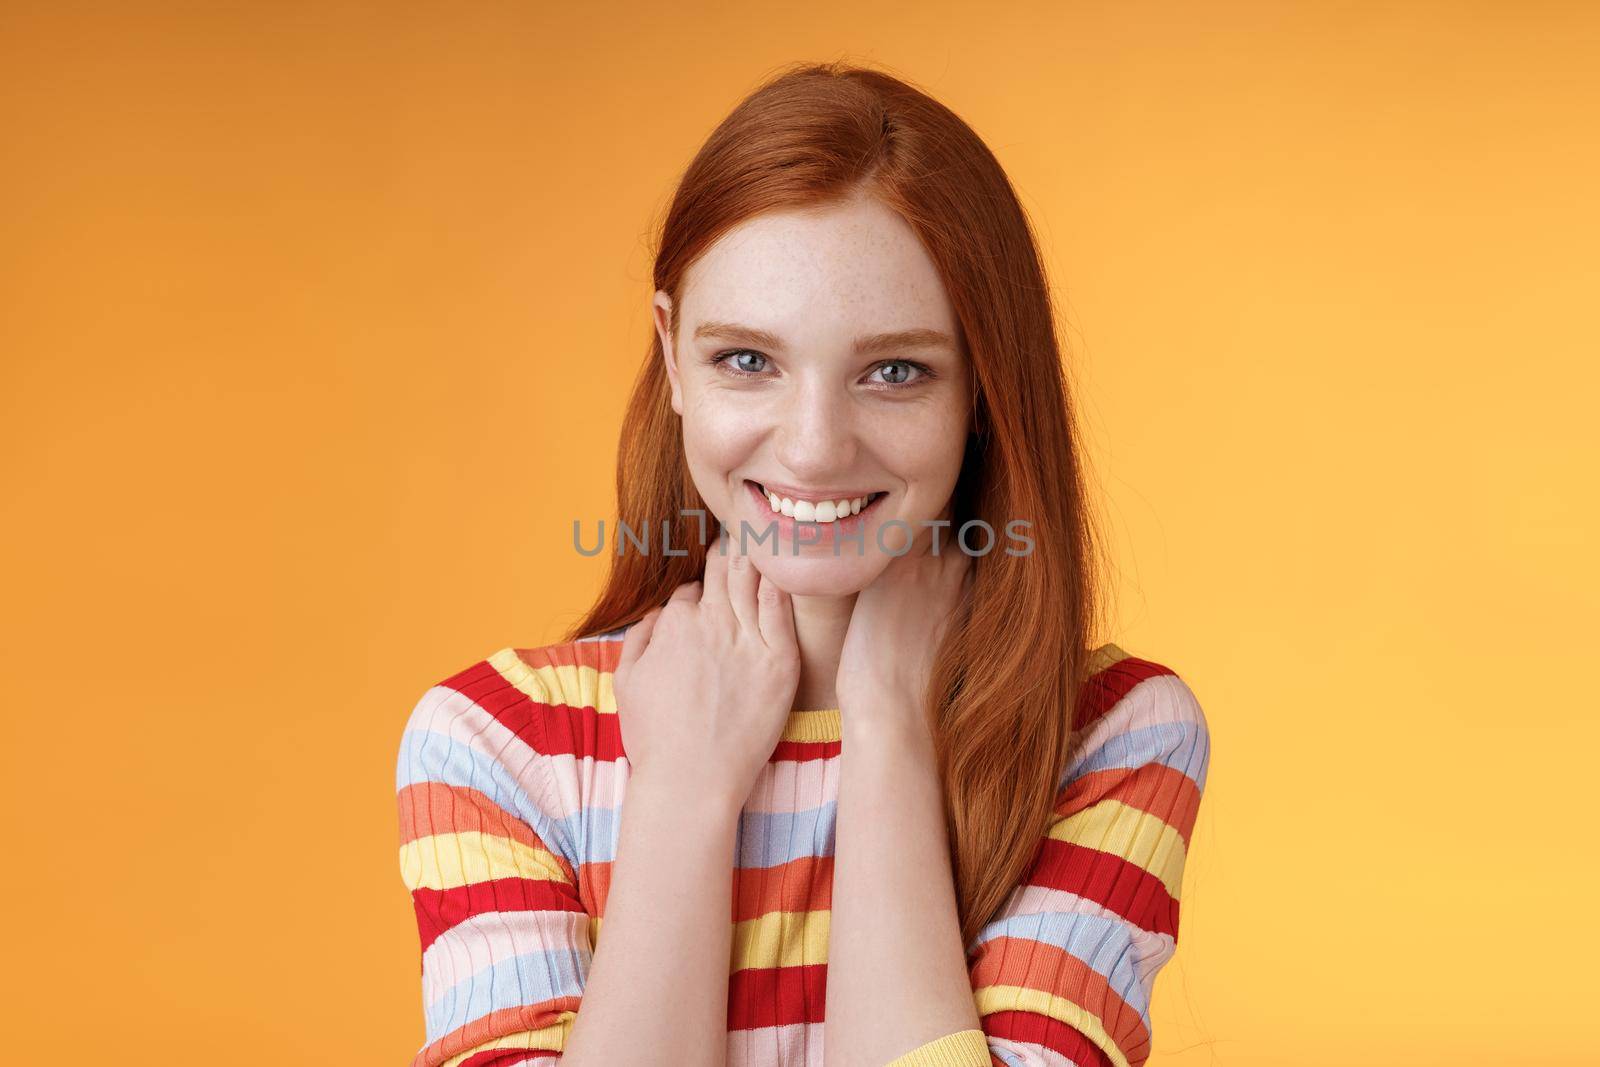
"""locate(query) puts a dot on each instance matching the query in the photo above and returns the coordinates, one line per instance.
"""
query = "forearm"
(657, 990)
(897, 975)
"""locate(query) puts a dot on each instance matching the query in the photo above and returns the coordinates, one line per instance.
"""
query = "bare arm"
(657, 991)
(704, 686)
(897, 973)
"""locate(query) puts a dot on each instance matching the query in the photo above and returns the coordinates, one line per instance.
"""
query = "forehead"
(818, 273)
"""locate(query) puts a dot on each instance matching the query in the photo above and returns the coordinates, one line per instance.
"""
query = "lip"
(822, 533)
(816, 496)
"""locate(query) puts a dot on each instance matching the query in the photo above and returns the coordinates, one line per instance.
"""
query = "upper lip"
(816, 496)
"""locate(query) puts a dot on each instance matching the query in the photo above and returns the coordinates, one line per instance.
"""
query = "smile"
(824, 510)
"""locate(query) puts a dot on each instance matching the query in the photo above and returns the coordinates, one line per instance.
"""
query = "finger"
(742, 581)
(775, 614)
(637, 639)
(716, 575)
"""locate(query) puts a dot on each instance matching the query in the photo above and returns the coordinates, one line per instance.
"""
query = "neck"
(820, 623)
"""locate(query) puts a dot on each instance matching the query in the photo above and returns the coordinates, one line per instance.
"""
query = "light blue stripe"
(1104, 944)
(767, 839)
(1180, 745)
(595, 829)
(531, 978)
(426, 756)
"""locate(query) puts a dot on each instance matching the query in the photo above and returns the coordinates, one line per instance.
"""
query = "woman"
(946, 825)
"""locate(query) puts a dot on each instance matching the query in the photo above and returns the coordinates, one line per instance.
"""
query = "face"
(818, 360)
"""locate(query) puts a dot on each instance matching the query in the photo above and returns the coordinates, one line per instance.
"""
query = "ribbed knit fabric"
(511, 779)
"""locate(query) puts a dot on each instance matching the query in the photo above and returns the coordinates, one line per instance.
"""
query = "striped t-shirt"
(511, 777)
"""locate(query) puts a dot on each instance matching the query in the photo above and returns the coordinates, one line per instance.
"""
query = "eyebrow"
(871, 344)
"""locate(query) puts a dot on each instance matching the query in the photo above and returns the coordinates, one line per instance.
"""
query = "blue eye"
(748, 363)
(897, 371)
(742, 358)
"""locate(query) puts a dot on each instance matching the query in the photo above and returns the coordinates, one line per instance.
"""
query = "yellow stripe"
(1137, 836)
(813, 726)
(553, 1036)
(579, 686)
(966, 1048)
(517, 672)
(778, 939)
(997, 998)
(781, 939)
(445, 861)
(590, 687)
(1104, 656)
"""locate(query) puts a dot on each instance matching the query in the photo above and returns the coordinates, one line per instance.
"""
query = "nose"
(817, 432)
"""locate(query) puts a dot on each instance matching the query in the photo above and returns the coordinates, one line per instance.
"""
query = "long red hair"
(1009, 672)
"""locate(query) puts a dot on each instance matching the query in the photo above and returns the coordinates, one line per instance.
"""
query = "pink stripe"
(455, 715)
(1160, 699)
(788, 786)
(797, 1043)
(483, 940)
(1150, 950)
(1033, 1054)
(783, 786)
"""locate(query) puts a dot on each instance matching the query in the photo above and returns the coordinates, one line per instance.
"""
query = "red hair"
(1009, 672)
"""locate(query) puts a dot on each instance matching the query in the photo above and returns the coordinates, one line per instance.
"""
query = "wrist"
(896, 716)
(701, 799)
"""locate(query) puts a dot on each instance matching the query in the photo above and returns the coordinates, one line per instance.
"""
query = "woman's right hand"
(705, 682)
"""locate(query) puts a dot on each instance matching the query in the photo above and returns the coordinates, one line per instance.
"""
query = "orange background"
(317, 324)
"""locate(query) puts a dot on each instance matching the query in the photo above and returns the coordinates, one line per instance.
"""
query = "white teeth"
(816, 511)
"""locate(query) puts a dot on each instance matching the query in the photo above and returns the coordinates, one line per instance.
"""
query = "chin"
(820, 574)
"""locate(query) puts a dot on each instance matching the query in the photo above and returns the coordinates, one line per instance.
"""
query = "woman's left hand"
(896, 627)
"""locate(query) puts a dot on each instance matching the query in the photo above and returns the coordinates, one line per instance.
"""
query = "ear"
(662, 313)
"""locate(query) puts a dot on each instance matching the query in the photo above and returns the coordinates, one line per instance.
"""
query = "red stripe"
(499, 1023)
(1104, 688)
(1109, 880)
(439, 909)
(601, 655)
(564, 725)
(804, 751)
(1047, 968)
(430, 807)
(583, 732)
(1053, 1034)
(777, 996)
(1165, 792)
(510, 706)
(505, 1057)
(804, 883)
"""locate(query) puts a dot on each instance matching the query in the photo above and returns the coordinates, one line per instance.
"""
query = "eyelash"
(924, 372)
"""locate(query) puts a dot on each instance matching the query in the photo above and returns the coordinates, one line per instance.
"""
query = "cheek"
(926, 450)
(717, 437)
